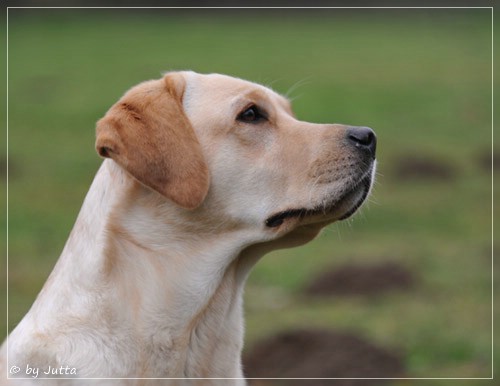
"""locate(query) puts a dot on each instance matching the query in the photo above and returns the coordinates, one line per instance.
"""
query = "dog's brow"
(257, 97)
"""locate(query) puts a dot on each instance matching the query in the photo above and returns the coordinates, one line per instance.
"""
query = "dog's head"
(234, 148)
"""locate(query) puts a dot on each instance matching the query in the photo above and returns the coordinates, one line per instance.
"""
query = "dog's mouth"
(340, 209)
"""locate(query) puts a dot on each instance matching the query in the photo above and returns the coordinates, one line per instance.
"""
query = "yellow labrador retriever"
(203, 175)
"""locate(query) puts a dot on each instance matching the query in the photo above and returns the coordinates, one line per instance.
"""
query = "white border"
(188, 8)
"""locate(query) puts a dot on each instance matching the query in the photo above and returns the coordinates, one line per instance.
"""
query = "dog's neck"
(183, 299)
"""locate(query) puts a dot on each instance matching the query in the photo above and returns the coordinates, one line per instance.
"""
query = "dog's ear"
(148, 134)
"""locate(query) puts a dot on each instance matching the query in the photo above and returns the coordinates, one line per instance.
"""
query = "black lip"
(279, 218)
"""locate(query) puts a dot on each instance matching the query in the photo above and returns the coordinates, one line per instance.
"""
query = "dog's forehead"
(219, 87)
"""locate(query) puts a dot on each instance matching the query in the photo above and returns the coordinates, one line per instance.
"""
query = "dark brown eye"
(251, 115)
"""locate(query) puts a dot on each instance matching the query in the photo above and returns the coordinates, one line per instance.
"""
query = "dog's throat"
(277, 219)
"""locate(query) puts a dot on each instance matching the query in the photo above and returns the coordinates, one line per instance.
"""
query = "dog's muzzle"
(364, 140)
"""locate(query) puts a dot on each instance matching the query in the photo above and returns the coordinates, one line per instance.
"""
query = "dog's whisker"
(296, 85)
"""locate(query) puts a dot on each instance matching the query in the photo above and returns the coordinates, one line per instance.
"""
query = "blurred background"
(402, 290)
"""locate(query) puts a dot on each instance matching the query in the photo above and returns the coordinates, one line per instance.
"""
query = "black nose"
(363, 138)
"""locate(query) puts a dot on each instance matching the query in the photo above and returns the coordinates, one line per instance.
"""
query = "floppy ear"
(147, 133)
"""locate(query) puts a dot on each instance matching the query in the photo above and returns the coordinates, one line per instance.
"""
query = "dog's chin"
(344, 207)
(338, 209)
(353, 200)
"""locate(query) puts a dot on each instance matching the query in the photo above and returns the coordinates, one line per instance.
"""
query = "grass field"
(421, 79)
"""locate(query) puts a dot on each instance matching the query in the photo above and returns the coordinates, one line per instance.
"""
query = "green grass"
(421, 79)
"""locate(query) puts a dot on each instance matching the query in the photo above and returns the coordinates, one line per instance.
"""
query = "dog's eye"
(251, 115)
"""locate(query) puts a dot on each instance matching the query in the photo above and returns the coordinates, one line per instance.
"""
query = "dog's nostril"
(364, 138)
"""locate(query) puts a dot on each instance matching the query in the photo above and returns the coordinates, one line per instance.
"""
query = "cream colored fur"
(150, 282)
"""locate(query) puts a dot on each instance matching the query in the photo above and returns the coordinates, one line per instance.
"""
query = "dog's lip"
(363, 185)
(277, 219)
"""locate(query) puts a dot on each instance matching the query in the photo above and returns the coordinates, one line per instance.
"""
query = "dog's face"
(234, 148)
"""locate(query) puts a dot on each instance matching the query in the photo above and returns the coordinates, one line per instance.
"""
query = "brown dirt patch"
(352, 279)
(414, 167)
(320, 354)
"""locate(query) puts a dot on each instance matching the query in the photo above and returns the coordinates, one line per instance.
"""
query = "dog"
(202, 175)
